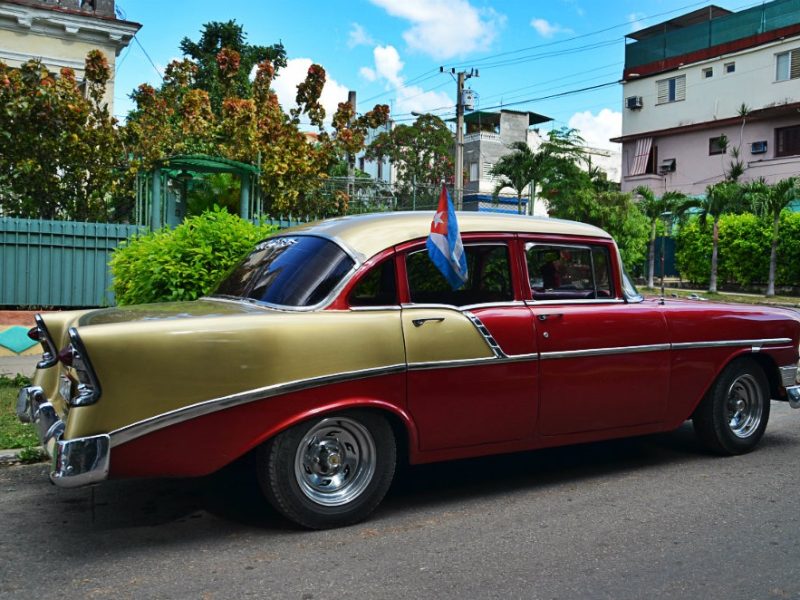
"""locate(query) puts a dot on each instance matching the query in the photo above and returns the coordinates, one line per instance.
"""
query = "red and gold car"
(336, 350)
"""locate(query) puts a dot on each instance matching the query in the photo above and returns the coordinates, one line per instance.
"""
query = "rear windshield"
(288, 271)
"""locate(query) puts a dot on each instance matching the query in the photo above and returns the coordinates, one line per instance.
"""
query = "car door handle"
(421, 322)
(545, 316)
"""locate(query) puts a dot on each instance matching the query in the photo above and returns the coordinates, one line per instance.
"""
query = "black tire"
(331, 471)
(733, 415)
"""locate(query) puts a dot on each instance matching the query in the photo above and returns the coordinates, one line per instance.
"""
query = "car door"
(471, 353)
(604, 362)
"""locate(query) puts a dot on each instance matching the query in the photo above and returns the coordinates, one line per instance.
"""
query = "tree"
(720, 198)
(61, 151)
(769, 201)
(215, 73)
(212, 107)
(421, 152)
(553, 163)
(518, 170)
(653, 208)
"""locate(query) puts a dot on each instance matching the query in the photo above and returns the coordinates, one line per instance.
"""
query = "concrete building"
(61, 32)
(702, 87)
(488, 137)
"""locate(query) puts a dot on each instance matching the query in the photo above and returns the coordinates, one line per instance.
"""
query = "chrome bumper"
(793, 394)
(76, 462)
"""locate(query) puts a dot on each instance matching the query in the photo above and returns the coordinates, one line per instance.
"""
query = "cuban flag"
(444, 243)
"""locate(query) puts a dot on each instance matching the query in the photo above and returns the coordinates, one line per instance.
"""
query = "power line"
(136, 39)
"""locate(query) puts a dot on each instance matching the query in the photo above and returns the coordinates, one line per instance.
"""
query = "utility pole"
(458, 181)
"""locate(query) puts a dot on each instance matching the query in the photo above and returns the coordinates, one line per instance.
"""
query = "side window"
(561, 272)
(489, 277)
(376, 288)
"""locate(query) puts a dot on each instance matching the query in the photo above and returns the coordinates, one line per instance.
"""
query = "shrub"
(182, 263)
(744, 247)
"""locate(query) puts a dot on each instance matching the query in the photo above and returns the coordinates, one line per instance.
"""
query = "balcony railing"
(482, 136)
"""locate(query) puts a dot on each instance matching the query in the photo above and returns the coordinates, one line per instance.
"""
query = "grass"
(792, 301)
(13, 433)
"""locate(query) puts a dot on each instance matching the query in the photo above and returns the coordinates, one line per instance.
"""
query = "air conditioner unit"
(667, 166)
(634, 102)
(758, 147)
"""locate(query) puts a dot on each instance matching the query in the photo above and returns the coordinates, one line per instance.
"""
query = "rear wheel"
(329, 472)
(732, 417)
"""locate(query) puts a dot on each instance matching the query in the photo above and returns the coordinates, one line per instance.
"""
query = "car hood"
(204, 308)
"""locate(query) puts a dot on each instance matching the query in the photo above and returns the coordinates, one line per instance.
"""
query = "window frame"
(715, 148)
(778, 132)
(674, 90)
(582, 244)
(729, 67)
(708, 72)
(792, 65)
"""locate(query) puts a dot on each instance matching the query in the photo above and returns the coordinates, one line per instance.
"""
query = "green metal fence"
(57, 263)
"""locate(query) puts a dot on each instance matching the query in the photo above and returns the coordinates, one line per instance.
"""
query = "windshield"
(288, 271)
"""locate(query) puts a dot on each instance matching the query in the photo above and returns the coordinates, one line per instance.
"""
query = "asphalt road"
(650, 517)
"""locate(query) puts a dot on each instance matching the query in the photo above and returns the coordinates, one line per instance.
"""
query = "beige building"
(61, 32)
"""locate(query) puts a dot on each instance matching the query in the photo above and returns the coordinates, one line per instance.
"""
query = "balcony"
(482, 136)
(104, 8)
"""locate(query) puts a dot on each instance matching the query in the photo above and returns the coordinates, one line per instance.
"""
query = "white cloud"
(598, 129)
(388, 67)
(546, 29)
(445, 28)
(295, 71)
(635, 19)
(358, 36)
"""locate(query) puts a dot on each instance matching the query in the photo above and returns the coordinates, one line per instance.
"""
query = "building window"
(730, 67)
(787, 141)
(708, 73)
(487, 171)
(672, 89)
(380, 170)
(787, 65)
(361, 163)
(717, 145)
(473, 171)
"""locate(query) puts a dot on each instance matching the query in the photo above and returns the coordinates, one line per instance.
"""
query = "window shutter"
(794, 65)
(680, 88)
(663, 91)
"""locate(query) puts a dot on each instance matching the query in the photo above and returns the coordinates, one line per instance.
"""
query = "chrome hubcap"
(335, 461)
(745, 406)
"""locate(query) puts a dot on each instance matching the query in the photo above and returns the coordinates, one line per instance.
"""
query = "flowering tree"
(61, 152)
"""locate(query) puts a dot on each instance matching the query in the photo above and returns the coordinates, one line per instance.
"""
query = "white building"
(703, 86)
(61, 33)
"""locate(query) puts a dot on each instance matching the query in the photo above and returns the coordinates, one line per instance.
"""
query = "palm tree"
(518, 169)
(723, 197)
(523, 167)
(653, 208)
(769, 201)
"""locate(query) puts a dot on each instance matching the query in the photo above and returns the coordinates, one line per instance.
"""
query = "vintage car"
(336, 350)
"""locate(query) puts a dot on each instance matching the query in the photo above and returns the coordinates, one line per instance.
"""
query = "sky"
(560, 58)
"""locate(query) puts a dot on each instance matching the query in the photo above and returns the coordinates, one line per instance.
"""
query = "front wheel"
(732, 417)
(329, 472)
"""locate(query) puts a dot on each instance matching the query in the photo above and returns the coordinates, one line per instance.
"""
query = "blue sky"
(390, 51)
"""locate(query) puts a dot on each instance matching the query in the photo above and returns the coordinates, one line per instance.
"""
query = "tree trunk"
(712, 283)
(652, 256)
(773, 256)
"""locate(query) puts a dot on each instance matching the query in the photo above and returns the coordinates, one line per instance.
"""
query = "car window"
(289, 271)
(488, 277)
(564, 272)
(377, 287)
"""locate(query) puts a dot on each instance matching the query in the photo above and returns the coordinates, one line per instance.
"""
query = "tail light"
(74, 356)
(40, 334)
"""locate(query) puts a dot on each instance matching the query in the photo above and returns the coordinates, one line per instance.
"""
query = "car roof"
(366, 235)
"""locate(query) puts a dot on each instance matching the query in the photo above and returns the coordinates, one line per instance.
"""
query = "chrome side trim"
(487, 336)
(535, 303)
(50, 352)
(179, 415)
(502, 304)
(605, 351)
(725, 343)
(788, 375)
(471, 362)
(372, 308)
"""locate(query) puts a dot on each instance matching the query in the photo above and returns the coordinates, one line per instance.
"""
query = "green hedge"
(183, 263)
(744, 247)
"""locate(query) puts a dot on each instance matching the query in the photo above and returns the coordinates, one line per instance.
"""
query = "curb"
(11, 457)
